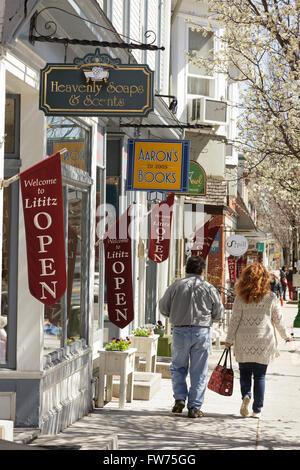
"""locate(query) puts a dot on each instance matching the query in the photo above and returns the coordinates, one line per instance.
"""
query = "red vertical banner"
(240, 265)
(42, 198)
(232, 268)
(161, 223)
(204, 238)
(118, 272)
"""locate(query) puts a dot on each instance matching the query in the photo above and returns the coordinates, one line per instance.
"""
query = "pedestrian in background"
(275, 286)
(192, 305)
(255, 315)
(283, 281)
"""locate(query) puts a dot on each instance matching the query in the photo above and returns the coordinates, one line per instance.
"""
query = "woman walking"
(283, 280)
(275, 286)
(255, 315)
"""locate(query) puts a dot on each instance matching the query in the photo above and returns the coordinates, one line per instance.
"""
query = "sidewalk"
(150, 425)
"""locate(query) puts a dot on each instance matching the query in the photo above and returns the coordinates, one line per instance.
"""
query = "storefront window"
(66, 321)
(74, 265)
(73, 303)
(97, 256)
(69, 134)
(5, 270)
(9, 288)
(10, 111)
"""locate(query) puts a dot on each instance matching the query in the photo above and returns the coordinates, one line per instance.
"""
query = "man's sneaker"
(256, 415)
(194, 413)
(178, 406)
(244, 408)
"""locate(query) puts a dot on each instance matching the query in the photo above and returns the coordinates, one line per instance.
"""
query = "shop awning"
(244, 219)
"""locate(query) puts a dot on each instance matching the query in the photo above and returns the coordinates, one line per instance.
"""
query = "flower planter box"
(120, 363)
(146, 346)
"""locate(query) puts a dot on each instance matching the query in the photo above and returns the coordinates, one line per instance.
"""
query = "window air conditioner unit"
(209, 111)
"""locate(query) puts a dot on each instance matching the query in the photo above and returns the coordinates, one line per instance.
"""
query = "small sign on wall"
(197, 179)
(236, 245)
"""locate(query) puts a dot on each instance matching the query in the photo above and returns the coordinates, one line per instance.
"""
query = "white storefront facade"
(46, 368)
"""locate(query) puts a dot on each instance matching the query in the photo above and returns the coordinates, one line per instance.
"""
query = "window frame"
(80, 180)
(12, 163)
(17, 100)
(210, 78)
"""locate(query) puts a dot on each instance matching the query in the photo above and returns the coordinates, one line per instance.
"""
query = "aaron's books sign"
(96, 85)
(158, 165)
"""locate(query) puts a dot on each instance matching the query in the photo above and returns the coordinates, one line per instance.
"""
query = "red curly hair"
(253, 284)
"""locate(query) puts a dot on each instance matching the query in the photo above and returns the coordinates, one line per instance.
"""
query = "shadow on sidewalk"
(161, 430)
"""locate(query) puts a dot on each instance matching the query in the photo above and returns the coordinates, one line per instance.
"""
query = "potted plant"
(142, 331)
(159, 328)
(145, 342)
(116, 344)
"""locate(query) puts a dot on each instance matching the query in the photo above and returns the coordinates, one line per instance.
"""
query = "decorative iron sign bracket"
(34, 35)
(167, 126)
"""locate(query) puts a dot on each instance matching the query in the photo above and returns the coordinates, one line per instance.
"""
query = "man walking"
(192, 305)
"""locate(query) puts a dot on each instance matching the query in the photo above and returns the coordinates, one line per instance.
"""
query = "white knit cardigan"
(252, 329)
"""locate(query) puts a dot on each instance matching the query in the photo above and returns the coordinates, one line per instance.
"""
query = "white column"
(2, 129)
(30, 311)
(162, 283)
(143, 233)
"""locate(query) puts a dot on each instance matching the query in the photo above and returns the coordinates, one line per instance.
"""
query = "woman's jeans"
(190, 351)
(247, 369)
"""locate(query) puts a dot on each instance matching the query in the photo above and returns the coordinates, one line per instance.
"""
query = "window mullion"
(64, 300)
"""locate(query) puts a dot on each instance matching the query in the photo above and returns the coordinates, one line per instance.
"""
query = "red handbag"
(221, 380)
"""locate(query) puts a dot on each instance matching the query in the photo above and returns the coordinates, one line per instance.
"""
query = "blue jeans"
(247, 369)
(190, 351)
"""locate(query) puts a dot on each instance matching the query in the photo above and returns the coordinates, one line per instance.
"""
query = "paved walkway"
(149, 425)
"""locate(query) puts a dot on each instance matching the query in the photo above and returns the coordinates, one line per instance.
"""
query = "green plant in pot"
(159, 328)
(117, 344)
(143, 331)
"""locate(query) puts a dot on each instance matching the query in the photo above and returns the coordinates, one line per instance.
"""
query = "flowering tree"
(279, 217)
(258, 46)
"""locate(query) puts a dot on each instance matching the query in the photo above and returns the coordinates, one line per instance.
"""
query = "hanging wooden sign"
(96, 85)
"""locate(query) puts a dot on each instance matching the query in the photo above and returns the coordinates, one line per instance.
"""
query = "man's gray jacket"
(192, 301)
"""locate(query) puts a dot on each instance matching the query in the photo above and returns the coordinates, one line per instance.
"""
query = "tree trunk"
(286, 255)
(295, 246)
